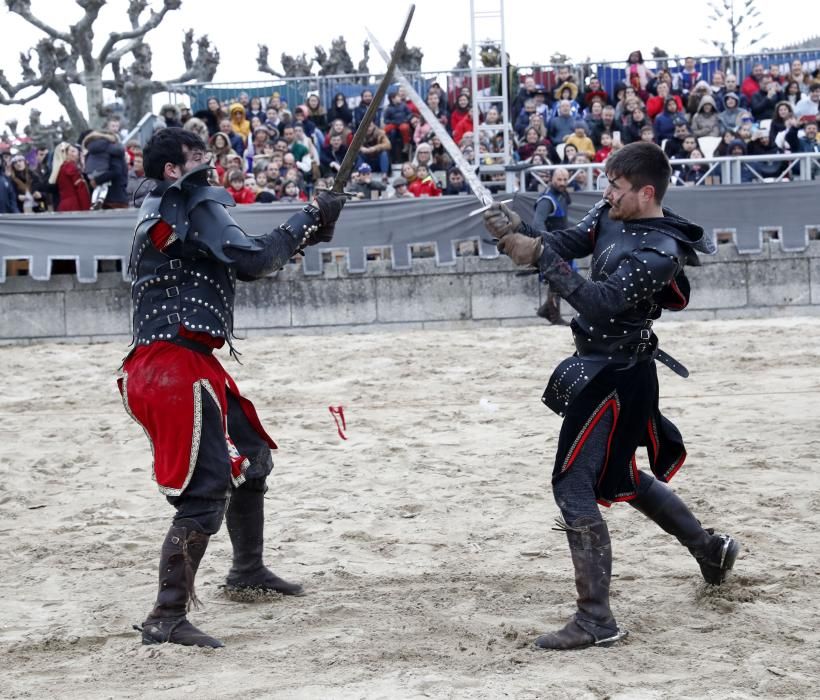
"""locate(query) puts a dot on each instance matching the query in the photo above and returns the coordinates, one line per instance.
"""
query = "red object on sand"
(338, 413)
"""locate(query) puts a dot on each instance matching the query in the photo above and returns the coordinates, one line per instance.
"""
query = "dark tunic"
(636, 271)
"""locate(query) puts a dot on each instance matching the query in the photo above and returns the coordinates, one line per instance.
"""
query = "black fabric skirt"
(631, 396)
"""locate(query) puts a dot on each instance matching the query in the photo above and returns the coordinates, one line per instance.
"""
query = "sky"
(600, 29)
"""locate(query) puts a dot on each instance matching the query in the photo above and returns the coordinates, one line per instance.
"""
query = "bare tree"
(464, 57)
(660, 57)
(67, 57)
(559, 59)
(135, 85)
(362, 67)
(742, 18)
(337, 62)
(293, 66)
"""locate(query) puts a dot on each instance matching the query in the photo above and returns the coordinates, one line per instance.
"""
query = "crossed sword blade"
(479, 190)
(349, 161)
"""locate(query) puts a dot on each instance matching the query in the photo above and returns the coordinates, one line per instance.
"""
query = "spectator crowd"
(263, 150)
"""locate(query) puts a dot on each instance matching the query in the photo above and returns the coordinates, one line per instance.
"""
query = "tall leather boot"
(592, 624)
(715, 554)
(246, 521)
(551, 310)
(180, 556)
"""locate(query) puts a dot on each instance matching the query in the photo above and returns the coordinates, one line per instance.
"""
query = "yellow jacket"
(239, 123)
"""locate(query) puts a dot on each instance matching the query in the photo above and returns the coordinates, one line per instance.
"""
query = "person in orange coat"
(65, 173)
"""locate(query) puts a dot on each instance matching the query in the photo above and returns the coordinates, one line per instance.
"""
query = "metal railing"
(610, 72)
(724, 170)
(143, 130)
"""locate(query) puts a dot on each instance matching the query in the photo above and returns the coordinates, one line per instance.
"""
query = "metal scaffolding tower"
(487, 29)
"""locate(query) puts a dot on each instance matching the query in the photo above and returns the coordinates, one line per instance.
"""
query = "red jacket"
(749, 87)
(244, 196)
(602, 154)
(73, 189)
(461, 123)
(656, 103)
(426, 187)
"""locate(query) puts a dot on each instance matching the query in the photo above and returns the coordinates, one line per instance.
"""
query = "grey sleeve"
(274, 249)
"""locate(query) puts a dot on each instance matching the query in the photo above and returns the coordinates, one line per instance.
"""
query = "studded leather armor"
(191, 282)
(636, 270)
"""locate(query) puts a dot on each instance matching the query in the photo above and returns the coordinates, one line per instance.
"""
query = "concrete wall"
(473, 291)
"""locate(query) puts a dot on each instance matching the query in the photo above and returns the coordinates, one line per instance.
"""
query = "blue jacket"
(664, 126)
(397, 114)
(8, 197)
(559, 127)
(358, 115)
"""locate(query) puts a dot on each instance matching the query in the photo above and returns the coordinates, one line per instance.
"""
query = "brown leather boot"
(592, 624)
(246, 523)
(180, 556)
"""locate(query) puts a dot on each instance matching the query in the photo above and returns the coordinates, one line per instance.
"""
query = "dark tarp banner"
(744, 211)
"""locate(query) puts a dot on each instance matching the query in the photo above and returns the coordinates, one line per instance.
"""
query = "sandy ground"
(425, 539)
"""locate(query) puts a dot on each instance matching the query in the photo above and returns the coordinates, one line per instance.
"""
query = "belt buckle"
(176, 264)
(173, 318)
(640, 348)
(172, 292)
(646, 334)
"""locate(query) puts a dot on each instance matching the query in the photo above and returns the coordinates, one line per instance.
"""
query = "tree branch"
(7, 101)
(203, 67)
(262, 64)
(107, 54)
(23, 8)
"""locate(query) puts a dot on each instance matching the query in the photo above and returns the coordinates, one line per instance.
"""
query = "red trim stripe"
(600, 413)
(683, 300)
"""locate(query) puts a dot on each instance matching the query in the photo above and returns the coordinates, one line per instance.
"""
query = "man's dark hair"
(165, 146)
(641, 164)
